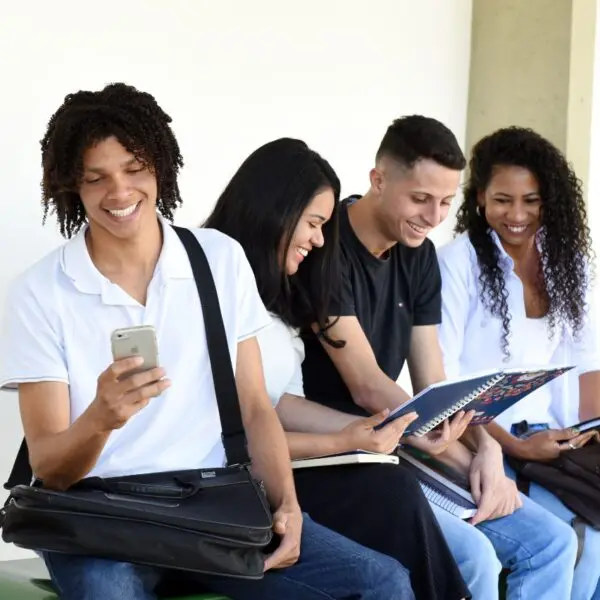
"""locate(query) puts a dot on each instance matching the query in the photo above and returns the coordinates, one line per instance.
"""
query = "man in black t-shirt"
(389, 296)
(386, 310)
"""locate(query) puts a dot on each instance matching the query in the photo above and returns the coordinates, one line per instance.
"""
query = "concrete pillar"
(532, 64)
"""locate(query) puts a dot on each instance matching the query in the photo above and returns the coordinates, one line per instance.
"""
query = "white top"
(470, 338)
(59, 318)
(282, 354)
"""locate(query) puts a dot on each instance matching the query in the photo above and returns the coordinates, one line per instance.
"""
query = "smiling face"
(413, 201)
(512, 205)
(309, 230)
(118, 192)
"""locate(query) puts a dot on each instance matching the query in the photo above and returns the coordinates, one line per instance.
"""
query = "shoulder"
(40, 280)
(426, 252)
(457, 254)
(277, 335)
(420, 260)
(223, 252)
(215, 242)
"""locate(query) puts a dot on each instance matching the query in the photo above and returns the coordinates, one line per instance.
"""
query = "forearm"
(378, 392)
(589, 395)
(457, 456)
(510, 444)
(305, 445)
(64, 458)
(302, 415)
(477, 438)
(270, 455)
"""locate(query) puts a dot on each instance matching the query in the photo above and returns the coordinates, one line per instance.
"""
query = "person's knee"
(562, 541)
(478, 562)
(383, 578)
(398, 585)
(79, 577)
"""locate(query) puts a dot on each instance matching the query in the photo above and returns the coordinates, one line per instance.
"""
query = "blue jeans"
(330, 567)
(586, 582)
(538, 549)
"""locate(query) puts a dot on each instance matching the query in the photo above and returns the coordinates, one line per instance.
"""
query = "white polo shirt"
(59, 317)
(470, 337)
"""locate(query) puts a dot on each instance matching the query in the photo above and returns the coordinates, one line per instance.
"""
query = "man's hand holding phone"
(120, 394)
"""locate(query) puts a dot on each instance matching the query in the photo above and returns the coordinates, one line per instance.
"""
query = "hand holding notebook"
(489, 394)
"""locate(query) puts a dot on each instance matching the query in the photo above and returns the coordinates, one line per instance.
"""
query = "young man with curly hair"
(516, 291)
(110, 165)
(387, 311)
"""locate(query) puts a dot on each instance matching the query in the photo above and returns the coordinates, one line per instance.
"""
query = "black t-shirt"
(388, 296)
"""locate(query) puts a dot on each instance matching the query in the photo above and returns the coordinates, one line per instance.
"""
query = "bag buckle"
(236, 451)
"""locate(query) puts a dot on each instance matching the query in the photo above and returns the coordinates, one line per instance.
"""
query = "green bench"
(27, 579)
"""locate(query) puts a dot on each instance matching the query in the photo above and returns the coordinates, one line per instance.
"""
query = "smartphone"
(136, 341)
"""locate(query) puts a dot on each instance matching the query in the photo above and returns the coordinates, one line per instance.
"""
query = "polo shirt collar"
(505, 260)
(77, 265)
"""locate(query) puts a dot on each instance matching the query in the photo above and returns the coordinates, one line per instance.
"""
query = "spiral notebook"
(442, 485)
(489, 394)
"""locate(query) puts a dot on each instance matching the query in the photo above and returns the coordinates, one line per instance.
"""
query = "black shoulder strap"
(234, 437)
(21, 473)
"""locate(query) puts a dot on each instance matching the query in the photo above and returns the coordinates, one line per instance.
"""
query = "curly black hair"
(566, 244)
(85, 118)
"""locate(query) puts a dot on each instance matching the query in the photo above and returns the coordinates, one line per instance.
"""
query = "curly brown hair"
(566, 245)
(85, 118)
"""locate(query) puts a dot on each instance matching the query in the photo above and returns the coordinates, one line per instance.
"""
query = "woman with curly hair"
(516, 291)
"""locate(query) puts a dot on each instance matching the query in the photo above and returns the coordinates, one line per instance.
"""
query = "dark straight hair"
(260, 208)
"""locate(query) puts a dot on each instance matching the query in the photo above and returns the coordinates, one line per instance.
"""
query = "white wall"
(593, 192)
(233, 75)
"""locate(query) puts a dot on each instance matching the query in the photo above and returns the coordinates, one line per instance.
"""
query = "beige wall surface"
(520, 55)
(532, 64)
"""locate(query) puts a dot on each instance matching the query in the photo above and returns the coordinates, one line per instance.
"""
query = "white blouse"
(282, 353)
(470, 337)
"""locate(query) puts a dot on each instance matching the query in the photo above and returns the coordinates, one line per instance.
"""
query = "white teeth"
(303, 251)
(519, 229)
(417, 228)
(123, 212)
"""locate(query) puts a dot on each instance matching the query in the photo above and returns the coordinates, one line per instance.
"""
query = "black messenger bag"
(213, 521)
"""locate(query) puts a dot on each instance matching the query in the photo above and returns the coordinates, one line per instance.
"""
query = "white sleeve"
(252, 314)
(296, 384)
(585, 345)
(455, 310)
(30, 349)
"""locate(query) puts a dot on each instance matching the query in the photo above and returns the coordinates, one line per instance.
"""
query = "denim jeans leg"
(587, 573)
(474, 554)
(84, 578)
(538, 549)
(331, 567)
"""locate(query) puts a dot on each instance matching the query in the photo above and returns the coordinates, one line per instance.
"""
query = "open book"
(489, 394)
(346, 458)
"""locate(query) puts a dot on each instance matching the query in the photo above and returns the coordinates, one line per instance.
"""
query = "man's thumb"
(377, 419)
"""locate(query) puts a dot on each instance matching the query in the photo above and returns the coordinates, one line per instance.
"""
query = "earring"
(478, 211)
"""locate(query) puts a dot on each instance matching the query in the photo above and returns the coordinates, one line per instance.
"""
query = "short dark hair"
(413, 138)
(260, 208)
(85, 118)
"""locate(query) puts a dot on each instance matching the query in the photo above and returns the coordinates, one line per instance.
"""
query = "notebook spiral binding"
(433, 423)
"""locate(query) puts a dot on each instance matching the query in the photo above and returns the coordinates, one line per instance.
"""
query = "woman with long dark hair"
(516, 292)
(282, 206)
